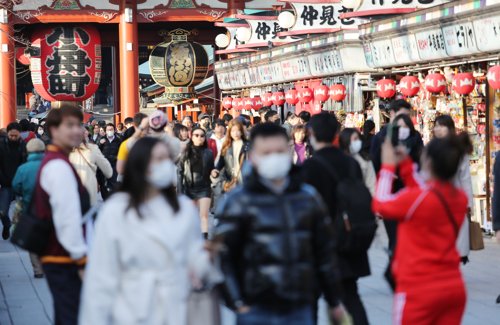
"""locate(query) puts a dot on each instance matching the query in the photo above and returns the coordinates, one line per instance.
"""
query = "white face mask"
(110, 134)
(355, 146)
(162, 174)
(274, 166)
(40, 132)
(403, 133)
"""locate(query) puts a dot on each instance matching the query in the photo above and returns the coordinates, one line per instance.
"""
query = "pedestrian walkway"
(26, 301)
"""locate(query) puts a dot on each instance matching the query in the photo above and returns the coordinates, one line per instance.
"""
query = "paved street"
(26, 301)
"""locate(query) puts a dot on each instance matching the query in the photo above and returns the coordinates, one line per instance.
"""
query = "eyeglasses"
(198, 135)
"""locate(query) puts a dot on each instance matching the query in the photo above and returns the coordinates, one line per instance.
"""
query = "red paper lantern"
(463, 83)
(257, 103)
(321, 93)
(66, 62)
(238, 103)
(227, 102)
(494, 77)
(409, 86)
(247, 103)
(316, 107)
(337, 92)
(266, 99)
(305, 95)
(278, 98)
(21, 56)
(386, 88)
(435, 83)
(291, 97)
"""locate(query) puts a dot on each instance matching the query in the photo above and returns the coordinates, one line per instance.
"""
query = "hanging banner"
(405, 49)
(431, 44)
(487, 31)
(460, 39)
(264, 30)
(382, 53)
(388, 7)
(325, 63)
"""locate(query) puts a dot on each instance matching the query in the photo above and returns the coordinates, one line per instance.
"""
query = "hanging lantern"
(316, 107)
(291, 97)
(278, 98)
(337, 92)
(386, 88)
(463, 83)
(435, 83)
(494, 77)
(227, 102)
(21, 56)
(409, 86)
(178, 65)
(237, 103)
(266, 99)
(257, 103)
(247, 103)
(321, 93)
(66, 62)
(305, 95)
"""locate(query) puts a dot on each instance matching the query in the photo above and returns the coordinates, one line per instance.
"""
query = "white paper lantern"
(286, 19)
(222, 41)
(351, 4)
(243, 34)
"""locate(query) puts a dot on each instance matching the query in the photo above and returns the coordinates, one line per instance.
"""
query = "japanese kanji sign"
(264, 31)
(66, 62)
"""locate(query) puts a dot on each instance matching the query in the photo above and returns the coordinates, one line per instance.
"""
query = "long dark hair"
(191, 152)
(408, 122)
(134, 177)
(446, 153)
(345, 139)
(446, 121)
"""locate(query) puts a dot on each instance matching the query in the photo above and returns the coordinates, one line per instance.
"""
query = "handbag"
(229, 185)
(203, 307)
(476, 236)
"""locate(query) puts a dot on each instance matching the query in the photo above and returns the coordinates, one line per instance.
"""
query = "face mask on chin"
(275, 166)
(162, 174)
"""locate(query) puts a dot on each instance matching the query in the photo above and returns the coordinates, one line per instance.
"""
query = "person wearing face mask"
(195, 167)
(350, 142)
(323, 129)
(12, 155)
(42, 135)
(204, 122)
(148, 251)
(109, 145)
(261, 225)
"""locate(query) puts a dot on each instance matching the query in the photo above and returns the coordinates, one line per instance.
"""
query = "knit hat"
(157, 120)
(35, 145)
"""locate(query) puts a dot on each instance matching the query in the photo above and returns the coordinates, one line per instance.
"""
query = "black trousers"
(352, 301)
(391, 227)
(65, 285)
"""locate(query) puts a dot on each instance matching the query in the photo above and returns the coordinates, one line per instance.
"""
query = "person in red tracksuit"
(429, 284)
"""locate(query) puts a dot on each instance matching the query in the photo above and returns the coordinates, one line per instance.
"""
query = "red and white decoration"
(238, 103)
(266, 99)
(292, 97)
(494, 77)
(257, 103)
(321, 93)
(278, 98)
(247, 103)
(66, 62)
(435, 83)
(305, 95)
(386, 88)
(21, 56)
(337, 92)
(463, 83)
(409, 86)
(227, 102)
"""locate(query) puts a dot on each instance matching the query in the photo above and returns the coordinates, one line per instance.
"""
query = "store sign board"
(487, 31)
(325, 63)
(264, 31)
(382, 53)
(295, 68)
(405, 49)
(431, 44)
(372, 5)
(368, 54)
(460, 39)
(312, 16)
(254, 75)
(277, 72)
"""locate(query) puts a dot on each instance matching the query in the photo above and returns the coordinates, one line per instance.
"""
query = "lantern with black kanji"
(494, 77)
(66, 62)
(409, 86)
(463, 83)
(337, 92)
(179, 65)
(435, 83)
(386, 88)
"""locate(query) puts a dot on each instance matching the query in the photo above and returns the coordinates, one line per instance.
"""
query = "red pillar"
(129, 59)
(7, 72)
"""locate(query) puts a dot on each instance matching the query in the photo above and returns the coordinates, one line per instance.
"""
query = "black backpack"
(355, 222)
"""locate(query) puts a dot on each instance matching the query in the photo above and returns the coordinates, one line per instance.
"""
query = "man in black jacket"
(323, 129)
(109, 145)
(12, 155)
(278, 249)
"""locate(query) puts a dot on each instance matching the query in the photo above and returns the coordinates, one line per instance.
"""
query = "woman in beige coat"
(86, 159)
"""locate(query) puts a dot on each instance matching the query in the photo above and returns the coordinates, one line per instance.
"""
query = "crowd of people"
(295, 204)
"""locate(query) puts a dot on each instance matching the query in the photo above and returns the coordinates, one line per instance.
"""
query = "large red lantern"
(266, 99)
(337, 92)
(305, 95)
(463, 83)
(257, 103)
(66, 62)
(238, 103)
(494, 77)
(227, 102)
(321, 93)
(247, 103)
(386, 88)
(278, 98)
(409, 86)
(435, 83)
(291, 97)
(21, 56)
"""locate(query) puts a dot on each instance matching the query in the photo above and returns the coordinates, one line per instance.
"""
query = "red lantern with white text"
(337, 92)
(257, 103)
(291, 97)
(237, 103)
(247, 103)
(435, 83)
(305, 95)
(494, 77)
(66, 62)
(463, 83)
(321, 93)
(409, 86)
(278, 98)
(227, 102)
(266, 99)
(386, 88)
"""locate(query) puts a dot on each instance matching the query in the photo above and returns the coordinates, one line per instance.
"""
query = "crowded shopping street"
(249, 162)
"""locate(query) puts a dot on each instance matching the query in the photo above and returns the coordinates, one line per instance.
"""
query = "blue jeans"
(260, 315)
(6, 198)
